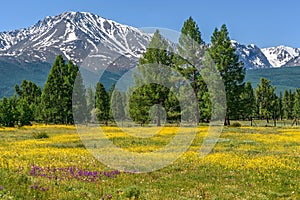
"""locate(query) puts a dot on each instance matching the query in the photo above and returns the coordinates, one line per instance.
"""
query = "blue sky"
(262, 22)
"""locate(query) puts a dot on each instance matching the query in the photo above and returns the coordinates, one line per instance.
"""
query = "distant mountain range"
(256, 58)
(29, 52)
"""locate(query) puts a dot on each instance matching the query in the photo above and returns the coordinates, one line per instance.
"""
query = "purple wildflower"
(44, 189)
(35, 186)
(70, 173)
(1, 187)
(71, 169)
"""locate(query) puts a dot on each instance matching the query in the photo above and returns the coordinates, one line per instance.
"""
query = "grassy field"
(246, 163)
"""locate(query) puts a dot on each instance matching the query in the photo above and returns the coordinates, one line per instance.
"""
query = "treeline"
(65, 96)
(263, 103)
(53, 104)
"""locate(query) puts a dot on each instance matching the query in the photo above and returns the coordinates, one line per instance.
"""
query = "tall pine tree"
(296, 108)
(80, 111)
(153, 72)
(191, 50)
(117, 106)
(90, 102)
(232, 71)
(102, 104)
(288, 104)
(57, 92)
(266, 99)
(248, 102)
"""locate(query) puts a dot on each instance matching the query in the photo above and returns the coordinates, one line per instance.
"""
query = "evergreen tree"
(90, 101)
(29, 95)
(288, 104)
(173, 107)
(53, 92)
(117, 106)
(296, 109)
(232, 71)
(25, 113)
(69, 83)
(57, 92)
(79, 101)
(205, 107)
(152, 71)
(191, 50)
(102, 103)
(266, 99)
(111, 90)
(110, 93)
(139, 105)
(249, 102)
(280, 106)
(29, 91)
(275, 108)
(8, 111)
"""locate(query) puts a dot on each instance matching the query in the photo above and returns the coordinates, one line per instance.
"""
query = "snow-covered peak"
(251, 56)
(74, 35)
(279, 56)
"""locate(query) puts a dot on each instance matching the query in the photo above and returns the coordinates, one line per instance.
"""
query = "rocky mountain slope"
(78, 36)
(75, 35)
(251, 56)
(282, 56)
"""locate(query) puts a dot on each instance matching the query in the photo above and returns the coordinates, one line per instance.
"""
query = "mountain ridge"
(81, 35)
(76, 35)
(251, 56)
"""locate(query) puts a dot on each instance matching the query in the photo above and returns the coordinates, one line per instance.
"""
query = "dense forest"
(65, 96)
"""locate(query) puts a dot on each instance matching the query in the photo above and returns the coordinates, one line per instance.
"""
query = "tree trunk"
(227, 121)
(158, 123)
(195, 88)
(251, 124)
(294, 122)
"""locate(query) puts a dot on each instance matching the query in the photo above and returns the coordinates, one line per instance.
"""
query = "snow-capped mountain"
(75, 35)
(251, 56)
(282, 56)
(79, 36)
(294, 62)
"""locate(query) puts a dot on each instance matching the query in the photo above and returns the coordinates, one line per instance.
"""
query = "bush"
(236, 124)
(40, 135)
